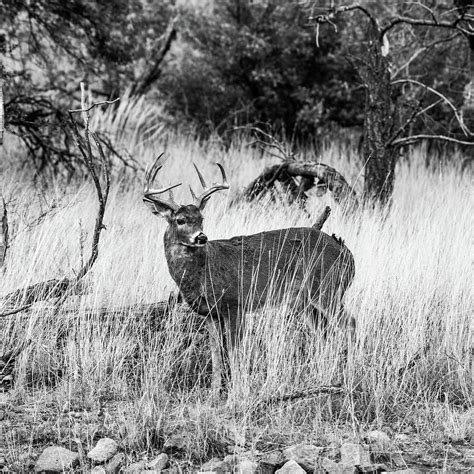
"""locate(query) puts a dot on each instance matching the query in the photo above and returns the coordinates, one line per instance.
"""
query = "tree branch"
(58, 288)
(434, 22)
(154, 72)
(459, 118)
(414, 138)
(333, 12)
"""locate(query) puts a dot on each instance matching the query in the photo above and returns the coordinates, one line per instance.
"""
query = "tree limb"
(333, 12)
(414, 138)
(154, 71)
(434, 22)
(459, 118)
(2, 110)
(57, 288)
(318, 225)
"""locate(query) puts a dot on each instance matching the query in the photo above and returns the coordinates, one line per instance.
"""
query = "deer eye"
(180, 221)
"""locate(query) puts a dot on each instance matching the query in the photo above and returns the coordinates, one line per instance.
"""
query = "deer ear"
(160, 209)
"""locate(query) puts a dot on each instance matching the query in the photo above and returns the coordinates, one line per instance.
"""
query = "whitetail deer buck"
(220, 279)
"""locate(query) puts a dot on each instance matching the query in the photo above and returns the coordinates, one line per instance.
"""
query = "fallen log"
(310, 173)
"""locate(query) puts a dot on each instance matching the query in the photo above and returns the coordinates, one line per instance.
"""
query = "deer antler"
(150, 194)
(202, 199)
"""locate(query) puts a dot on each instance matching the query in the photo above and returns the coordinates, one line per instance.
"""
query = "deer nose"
(200, 239)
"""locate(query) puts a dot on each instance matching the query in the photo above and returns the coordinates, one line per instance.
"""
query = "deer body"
(223, 279)
(227, 276)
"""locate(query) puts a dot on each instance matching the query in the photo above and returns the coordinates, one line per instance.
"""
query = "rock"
(172, 470)
(373, 468)
(336, 468)
(115, 464)
(291, 467)
(245, 466)
(271, 461)
(328, 465)
(378, 440)
(174, 443)
(56, 459)
(216, 465)
(136, 467)
(103, 450)
(159, 463)
(353, 454)
(306, 455)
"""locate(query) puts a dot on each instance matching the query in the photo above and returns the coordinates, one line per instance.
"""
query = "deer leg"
(215, 342)
(318, 318)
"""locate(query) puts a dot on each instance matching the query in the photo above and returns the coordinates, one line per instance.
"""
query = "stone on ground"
(378, 440)
(174, 443)
(353, 454)
(115, 464)
(306, 455)
(215, 465)
(291, 467)
(105, 449)
(245, 466)
(56, 459)
(159, 463)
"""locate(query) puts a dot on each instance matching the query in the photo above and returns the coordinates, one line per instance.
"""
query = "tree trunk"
(379, 159)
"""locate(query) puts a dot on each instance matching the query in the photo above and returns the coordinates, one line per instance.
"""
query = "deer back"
(242, 272)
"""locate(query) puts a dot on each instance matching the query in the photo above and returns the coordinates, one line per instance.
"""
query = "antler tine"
(151, 173)
(201, 178)
(224, 177)
(192, 193)
(202, 199)
(150, 194)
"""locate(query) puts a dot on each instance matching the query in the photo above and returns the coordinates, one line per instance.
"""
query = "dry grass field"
(82, 374)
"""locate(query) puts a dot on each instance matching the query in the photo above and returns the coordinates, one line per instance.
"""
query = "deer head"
(184, 221)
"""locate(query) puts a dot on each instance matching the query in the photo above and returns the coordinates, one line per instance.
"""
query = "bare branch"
(434, 22)
(318, 225)
(411, 119)
(59, 288)
(95, 104)
(459, 118)
(154, 71)
(15, 311)
(422, 50)
(330, 17)
(2, 112)
(4, 237)
(414, 138)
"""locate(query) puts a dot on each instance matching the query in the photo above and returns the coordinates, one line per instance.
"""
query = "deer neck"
(186, 266)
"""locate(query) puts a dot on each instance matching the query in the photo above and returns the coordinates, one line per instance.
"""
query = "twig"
(95, 104)
(5, 238)
(324, 389)
(318, 225)
(15, 311)
(2, 110)
(415, 138)
(459, 118)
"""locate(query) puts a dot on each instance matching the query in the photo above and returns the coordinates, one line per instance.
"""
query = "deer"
(222, 279)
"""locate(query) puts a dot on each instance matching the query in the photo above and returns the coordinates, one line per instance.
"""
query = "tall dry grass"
(412, 299)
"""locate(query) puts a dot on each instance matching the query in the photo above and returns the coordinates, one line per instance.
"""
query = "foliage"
(259, 62)
(50, 46)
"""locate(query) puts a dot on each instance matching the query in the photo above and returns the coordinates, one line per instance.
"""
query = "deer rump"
(302, 266)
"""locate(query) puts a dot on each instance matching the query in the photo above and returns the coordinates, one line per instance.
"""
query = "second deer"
(222, 279)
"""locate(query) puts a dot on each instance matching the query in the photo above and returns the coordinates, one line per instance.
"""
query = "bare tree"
(386, 128)
(99, 171)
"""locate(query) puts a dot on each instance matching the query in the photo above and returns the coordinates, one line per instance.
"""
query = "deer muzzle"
(200, 239)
